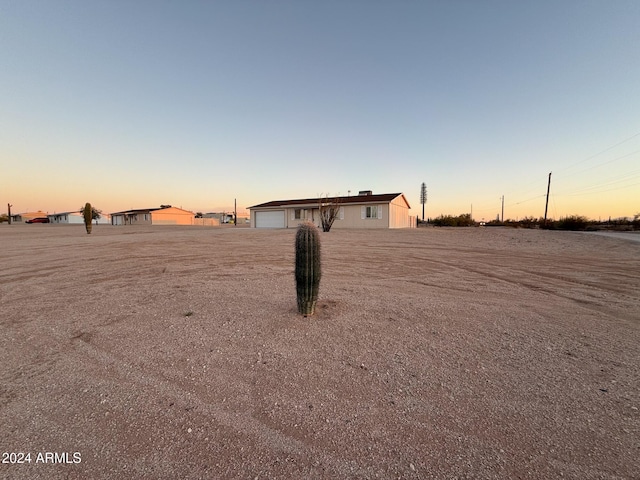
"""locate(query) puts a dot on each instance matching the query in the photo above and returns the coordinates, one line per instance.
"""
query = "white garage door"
(273, 219)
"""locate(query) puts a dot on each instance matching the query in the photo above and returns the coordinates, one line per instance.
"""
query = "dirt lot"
(177, 352)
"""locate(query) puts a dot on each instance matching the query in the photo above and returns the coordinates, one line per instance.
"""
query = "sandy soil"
(177, 352)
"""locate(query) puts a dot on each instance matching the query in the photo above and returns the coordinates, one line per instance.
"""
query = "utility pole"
(9, 211)
(546, 205)
(235, 213)
(423, 197)
(502, 209)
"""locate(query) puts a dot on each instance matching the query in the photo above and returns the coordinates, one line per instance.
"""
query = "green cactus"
(88, 216)
(308, 268)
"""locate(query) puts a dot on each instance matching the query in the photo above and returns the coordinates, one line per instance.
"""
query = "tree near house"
(329, 211)
(95, 213)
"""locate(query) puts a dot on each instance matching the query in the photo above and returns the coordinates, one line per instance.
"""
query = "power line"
(600, 153)
(607, 162)
(527, 200)
(617, 179)
(600, 191)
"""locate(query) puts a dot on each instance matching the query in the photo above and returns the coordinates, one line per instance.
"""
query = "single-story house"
(75, 218)
(23, 217)
(166, 215)
(366, 210)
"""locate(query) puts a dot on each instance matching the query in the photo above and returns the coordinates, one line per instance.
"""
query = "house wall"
(399, 214)
(131, 219)
(354, 216)
(307, 214)
(351, 216)
(74, 218)
(172, 216)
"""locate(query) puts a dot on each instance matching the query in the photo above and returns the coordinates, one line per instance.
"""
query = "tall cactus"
(308, 268)
(88, 217)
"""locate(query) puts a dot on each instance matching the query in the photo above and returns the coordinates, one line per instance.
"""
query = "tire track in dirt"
(592, 295)
(245, 422)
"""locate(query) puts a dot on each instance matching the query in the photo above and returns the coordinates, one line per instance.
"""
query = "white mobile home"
(76, 218)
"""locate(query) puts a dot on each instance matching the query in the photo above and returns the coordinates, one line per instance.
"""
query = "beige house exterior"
(366, 210)
(159, 216)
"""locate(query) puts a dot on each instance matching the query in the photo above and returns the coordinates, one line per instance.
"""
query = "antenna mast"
(423, 197)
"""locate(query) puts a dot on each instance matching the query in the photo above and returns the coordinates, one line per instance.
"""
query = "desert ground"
(177, 352)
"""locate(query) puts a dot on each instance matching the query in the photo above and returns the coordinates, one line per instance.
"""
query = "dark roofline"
(62, 213)
(350, 200)
(138, 210)
(149, 210)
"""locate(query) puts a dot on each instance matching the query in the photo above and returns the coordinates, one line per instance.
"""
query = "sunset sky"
(133, 104)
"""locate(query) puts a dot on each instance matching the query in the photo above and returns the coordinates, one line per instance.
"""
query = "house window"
(371, 212)
(297, 214)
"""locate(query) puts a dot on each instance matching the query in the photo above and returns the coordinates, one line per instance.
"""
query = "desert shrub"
(329, 211)
(463, 220)
(530, 222)
(572, 222)
(526, 222)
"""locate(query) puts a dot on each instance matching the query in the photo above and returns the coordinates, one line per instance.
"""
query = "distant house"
(226, 217)
(75, 218)
(23, 217)
(166, 215)
(366, 210)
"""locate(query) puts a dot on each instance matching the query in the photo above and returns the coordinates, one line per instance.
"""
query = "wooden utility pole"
(546, 205)
(502, 209)
(235, 213)
(9, 211)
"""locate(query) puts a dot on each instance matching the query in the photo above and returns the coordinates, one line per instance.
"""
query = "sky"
(134, 104)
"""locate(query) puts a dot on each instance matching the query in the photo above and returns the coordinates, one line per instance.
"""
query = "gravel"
(177, 352)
